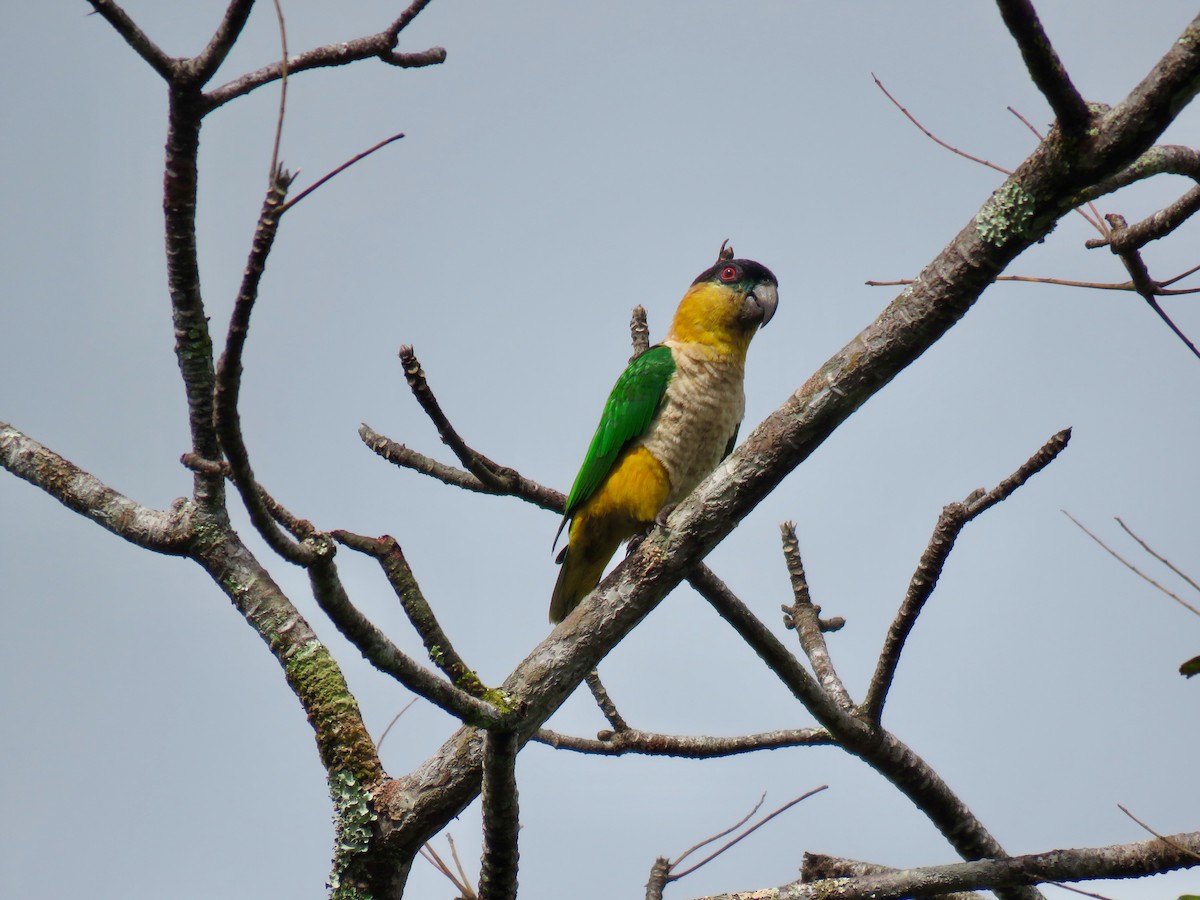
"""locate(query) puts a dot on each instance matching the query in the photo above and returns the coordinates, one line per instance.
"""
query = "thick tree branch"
(817, 867)
(164, 531)
(1116, 861)
(498, 868)
(950, 524)
(1045, 68)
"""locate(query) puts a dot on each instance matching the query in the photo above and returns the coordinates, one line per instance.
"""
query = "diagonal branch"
(202, 67)
(164, 531)
(386, 551)
(229, 380)
(377, 649)
(950, 524)
(1045, 68)
(160, 62)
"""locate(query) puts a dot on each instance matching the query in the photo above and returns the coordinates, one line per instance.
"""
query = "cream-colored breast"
(704, 404)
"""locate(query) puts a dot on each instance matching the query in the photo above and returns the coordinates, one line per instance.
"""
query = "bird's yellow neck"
(707, 315)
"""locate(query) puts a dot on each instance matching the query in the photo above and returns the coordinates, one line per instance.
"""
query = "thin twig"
(1162, 559)
(396, 718)
(1167, 840)
(720, 834)
(337, 171)
(283, 86)
(933, 137)
(675, 876)
(1066, 282)
(1134, 569)
(953, 519)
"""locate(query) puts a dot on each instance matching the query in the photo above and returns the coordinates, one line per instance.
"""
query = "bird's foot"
(663, 514)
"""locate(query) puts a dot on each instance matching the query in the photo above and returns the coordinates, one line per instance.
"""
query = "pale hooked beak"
(766, 297)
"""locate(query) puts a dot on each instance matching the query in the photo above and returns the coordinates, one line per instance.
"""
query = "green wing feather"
(631, 406)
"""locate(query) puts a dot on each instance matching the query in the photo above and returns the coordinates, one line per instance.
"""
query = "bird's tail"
(580, 573)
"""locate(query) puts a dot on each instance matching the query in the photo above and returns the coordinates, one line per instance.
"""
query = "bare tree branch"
(1134, 569)
(164, 531)
(204, 65)
(1162, 559)
(607, 707)
(804, 616)
(675, 876)
(498, 868)
(817, 867)
(160, 62)
(377, 649)
(1116, 861)
(1045, 68)
(229, 380)
(950, 524)
(633, 741)
(386, 551)
(381, 45)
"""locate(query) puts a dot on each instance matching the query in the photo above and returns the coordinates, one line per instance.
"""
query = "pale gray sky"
(567, 162)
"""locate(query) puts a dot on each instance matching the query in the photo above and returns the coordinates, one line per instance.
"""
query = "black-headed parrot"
(671, 417)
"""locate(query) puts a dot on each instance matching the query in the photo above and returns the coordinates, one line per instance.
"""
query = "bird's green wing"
(631, 406)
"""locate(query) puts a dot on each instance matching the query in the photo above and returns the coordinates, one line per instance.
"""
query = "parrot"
(671, 417)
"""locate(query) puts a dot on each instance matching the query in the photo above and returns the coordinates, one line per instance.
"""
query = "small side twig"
(664, 875)
(1162, 559)
(358, 157)
(639, 332)
(604, 701)
(1166, 840)
(805, 617)
(1134, 569)
(950, 524)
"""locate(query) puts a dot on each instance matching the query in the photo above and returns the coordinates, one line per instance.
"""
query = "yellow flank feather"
(626, 503)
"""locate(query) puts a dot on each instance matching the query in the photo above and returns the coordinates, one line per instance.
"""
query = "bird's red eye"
(729, 273)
